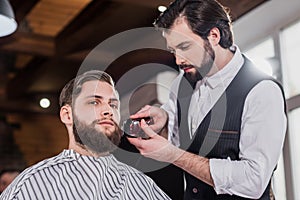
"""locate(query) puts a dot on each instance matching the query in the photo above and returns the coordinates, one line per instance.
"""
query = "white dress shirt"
(262, 130)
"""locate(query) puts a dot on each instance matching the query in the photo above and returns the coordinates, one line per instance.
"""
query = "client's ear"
(66, 115)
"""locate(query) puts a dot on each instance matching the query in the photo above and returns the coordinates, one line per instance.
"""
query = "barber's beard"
(92, 139)
(205, 66)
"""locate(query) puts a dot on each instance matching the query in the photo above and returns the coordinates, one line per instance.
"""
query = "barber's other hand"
(158, 115)
(156, 147)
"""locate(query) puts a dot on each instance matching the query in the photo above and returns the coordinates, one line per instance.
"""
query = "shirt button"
(195, 190)
(193, 126)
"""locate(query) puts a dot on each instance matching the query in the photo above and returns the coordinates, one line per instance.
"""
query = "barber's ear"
(214, 36)
(66, 115)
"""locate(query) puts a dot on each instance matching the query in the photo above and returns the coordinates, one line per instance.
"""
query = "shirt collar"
(71, 153)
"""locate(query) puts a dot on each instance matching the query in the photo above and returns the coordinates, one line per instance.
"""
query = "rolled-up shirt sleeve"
(262, 135)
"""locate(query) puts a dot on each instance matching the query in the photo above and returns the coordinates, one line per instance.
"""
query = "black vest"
(218, 135)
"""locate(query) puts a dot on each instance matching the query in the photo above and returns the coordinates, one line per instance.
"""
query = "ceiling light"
(162, 8)
(44, 103)
(8, 24)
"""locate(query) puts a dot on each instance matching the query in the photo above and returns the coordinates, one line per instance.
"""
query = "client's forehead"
(98, 88)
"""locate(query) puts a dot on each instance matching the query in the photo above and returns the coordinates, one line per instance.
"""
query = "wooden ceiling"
(54, 36)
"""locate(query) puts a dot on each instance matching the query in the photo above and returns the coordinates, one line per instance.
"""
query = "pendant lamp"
(8, 24)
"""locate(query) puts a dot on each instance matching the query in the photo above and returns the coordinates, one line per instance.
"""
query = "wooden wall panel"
(39, 136)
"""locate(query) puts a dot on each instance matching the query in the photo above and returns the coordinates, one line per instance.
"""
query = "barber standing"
(226, 120)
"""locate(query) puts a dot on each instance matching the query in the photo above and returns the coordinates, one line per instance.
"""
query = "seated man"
(89, 107)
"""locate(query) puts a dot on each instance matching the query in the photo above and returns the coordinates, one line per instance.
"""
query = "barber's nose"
(179, 59)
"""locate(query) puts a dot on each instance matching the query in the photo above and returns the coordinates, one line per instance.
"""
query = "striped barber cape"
(70, 175)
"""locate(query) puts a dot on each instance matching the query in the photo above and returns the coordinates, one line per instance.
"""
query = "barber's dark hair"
(73, 88)
(202, 16)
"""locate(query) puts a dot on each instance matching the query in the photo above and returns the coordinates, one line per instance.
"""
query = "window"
(290, 43)
(294, 129)
(290, 48)
(263, 55)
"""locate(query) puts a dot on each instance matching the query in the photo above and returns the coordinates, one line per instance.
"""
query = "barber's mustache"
(186, 66)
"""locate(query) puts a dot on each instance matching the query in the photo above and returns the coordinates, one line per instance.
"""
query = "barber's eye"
(185, 47)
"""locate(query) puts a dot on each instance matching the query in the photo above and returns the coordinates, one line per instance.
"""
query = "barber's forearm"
(195, 165)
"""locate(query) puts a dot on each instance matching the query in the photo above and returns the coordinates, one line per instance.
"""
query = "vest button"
(195, 190)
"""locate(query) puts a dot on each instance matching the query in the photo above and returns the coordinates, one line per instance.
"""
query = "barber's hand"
(158, 115)
(156, 147)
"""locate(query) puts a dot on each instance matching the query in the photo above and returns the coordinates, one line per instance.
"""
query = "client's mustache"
(97, 121)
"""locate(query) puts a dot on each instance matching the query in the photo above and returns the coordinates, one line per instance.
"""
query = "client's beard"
(97, 141)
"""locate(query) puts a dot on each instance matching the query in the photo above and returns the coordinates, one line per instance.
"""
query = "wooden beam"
(239, 8)
(29, 43)
(74, 32)
(91, 28)
(150, 4)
